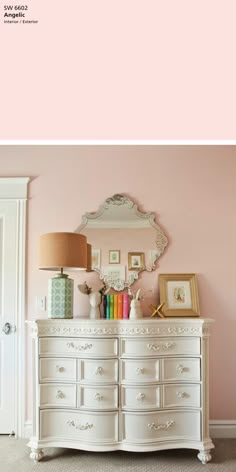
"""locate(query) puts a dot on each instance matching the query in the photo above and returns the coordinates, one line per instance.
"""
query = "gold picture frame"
(179, 294)
(136, 260)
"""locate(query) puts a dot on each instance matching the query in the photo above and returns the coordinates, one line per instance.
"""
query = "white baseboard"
(218, 429)
(222, 428)
(28, 429)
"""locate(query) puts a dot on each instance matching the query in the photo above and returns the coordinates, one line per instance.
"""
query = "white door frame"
(15, 188)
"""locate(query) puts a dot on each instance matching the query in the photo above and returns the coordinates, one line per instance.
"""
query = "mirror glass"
(124, 241)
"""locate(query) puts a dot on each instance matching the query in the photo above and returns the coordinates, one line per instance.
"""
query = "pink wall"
(192, 190)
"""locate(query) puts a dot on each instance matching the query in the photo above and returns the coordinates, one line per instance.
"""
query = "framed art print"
(114, 256)
(179, 294)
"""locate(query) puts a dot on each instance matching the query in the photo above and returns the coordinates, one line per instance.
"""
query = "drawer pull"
(160, 347)
(98, 397)
(181, 394)
(98, 371)
(166, 425)
(140, 370)
(82, 427)
(81, 347)
(180, 368)
(140, 397)
(60, 394)
(84, 347)
(60, 368)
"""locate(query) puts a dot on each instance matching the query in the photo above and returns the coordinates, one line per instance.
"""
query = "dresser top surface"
(144, 320)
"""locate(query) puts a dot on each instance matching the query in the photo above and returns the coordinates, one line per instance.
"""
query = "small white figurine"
(135, 307)
(95, 299)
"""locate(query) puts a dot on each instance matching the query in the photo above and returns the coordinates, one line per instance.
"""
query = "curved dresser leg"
(204, 456)
(36, 454)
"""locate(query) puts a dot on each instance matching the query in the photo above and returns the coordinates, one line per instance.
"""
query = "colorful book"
(104, 314)
(125, 306)
(111, 307)
(115, 306)
(120, 306)
(108, 307)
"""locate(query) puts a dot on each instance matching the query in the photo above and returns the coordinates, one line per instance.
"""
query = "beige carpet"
(14, 456)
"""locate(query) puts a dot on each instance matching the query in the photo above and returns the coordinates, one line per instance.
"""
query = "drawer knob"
(81, 347)
(98, 370)
(60, 394)
(140, 370)
(140, 397)
(98, 397)
(181, 394)
(160, 347)
(166, 425)
(82, 427)
(60, 368)
(180, 368)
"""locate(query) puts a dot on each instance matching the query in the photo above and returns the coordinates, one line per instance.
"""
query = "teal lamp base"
(60, 297)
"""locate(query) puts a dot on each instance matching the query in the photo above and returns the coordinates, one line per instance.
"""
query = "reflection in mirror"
(124, 241)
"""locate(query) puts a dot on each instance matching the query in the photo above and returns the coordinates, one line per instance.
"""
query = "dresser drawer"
(54, 370)
(78, 347)
(140, 371)
(140, 397)
(62, 395)
(97, 427)
(98, 371)
(181, 369)
(181, 395)
(171, 425)
(159, 346)
(98, 397)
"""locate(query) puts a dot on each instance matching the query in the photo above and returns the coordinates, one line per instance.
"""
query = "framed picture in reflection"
(136, 260)
(114, 256)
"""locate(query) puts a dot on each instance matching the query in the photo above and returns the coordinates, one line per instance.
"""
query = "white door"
(8, 309)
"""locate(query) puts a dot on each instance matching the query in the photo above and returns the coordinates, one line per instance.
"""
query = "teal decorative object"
(60, 297)
(59, 251)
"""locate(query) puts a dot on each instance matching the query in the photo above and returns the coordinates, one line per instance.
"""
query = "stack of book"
(116, 306)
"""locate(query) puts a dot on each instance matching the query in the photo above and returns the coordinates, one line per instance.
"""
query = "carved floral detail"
(118, 199)
(81, 427)
(81, 347)
(160, 347)
(116, 330)
(166, 425)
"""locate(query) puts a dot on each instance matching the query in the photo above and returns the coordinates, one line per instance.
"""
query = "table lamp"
(58, 251)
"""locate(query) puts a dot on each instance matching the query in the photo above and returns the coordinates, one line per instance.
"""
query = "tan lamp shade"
(63, 251)
(89, 257)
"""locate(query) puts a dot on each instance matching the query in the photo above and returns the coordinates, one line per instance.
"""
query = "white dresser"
(104, 385)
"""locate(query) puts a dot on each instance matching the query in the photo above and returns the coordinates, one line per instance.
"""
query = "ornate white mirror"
(124, 241)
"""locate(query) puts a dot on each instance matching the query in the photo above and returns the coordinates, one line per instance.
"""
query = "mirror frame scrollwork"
(147, 218)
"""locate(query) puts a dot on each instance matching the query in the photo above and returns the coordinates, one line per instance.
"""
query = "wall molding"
(20, 316)
(218, 429)
(13, 188)
(28, 430)
(222, 428)
(16, 188)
